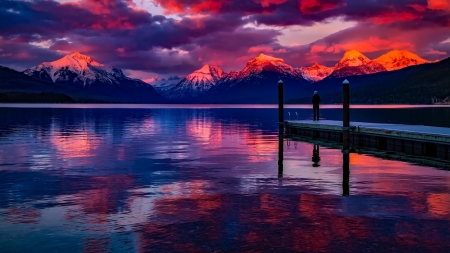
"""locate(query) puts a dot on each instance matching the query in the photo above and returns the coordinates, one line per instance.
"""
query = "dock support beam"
(280, 108)
(346, 138)
(346, 115)
(280, 128)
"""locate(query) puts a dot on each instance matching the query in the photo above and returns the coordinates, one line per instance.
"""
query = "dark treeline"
(27, 97)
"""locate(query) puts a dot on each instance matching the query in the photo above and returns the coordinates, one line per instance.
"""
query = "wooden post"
(346, 115)
(281, 127)
(281, 108)
(346, 138)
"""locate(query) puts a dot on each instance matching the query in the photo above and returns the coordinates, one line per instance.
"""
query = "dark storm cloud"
(117, 32)
(103, 28)
(407, 13)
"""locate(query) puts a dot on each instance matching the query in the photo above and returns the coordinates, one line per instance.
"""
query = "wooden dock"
(408, 139)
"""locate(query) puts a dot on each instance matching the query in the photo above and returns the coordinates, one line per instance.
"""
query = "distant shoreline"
(206, 106)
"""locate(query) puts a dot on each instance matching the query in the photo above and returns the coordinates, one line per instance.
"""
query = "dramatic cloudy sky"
(150, 38)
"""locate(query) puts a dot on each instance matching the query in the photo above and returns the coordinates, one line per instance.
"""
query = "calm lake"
(133, 178)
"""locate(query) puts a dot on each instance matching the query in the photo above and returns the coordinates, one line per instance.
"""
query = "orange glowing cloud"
(175, 6)
(315, 6)
(265, 49)
(373, 44)
(439, 5)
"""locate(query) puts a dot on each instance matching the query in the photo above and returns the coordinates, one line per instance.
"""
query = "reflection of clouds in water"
(197, 179)
(204, 131)
(220, 139)
(41, 162)
(76, 145)
(439, 205)
(141, 130)
(22, 215)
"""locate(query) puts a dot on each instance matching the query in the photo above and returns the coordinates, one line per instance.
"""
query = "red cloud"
(418, 7)
(315, 6)
(195, 6)
(267, 3)
(388, 18)
(117, 32)
(199, 6)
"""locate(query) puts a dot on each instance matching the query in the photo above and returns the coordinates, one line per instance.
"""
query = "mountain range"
(81, 72)
(420, 84)
(255, 83)
(82, 78)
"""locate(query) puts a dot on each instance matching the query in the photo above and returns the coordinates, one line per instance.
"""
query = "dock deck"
(409, 139)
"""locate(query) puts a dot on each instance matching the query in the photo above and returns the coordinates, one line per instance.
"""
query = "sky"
(149, 38)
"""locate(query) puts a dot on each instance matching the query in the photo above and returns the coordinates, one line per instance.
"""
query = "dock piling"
(346, 115)
(346, 138)
(280, 128)
(280, 108)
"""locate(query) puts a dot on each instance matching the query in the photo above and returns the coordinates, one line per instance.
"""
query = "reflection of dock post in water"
(280, 156)
(346, 174)
(280, 127)
(346, 138)
(316, 156)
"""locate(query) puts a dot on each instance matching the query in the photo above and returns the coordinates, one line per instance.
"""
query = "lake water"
(205, 179)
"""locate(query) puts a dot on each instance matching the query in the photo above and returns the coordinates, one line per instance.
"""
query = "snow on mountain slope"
(196, 83)
(78, 68)
(354, 63)
(398, 59)
(265, 63)
(257, 82)
(80, 71)
(316, 72)
(352, 58)
(162, 85)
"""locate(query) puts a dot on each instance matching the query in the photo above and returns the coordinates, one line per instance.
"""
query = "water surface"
(205, 179)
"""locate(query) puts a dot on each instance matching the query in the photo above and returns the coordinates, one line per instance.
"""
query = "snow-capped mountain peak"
(352, 58)
(76, 67)
(100, 81)
(264, 63)
(398, 59)
(317, 66)
(355, 63)
(81, 57)
(206, 74)
(316, 72)
(267, 58)
(196, 83)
